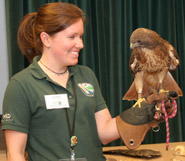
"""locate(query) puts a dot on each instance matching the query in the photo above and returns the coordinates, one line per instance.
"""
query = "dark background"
(106, 52)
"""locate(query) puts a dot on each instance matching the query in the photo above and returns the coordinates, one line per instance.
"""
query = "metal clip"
(72, 154)
(156, 129)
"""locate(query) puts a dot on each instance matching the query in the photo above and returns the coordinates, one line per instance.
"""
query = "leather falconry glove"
(134, 123)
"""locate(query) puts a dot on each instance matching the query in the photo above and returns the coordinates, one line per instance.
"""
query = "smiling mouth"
(75, 53)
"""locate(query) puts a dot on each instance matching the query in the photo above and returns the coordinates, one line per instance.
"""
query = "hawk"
(151, 61)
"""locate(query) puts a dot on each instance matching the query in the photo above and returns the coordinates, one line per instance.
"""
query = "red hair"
(50, 18)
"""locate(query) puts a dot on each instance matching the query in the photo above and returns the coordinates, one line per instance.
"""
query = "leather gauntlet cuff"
(132, 135)
(135, 122)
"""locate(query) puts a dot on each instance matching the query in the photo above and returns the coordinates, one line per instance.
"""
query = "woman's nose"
(80, 43)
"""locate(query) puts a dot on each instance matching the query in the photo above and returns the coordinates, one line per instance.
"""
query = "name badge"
(56, 101)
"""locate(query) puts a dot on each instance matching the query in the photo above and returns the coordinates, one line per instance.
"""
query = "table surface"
(165, 155)
(2, 155)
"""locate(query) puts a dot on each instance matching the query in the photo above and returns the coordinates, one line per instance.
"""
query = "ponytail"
(27, 38)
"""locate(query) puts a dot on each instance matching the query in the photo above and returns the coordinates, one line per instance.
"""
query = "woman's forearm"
(16, 144)
(15, 157)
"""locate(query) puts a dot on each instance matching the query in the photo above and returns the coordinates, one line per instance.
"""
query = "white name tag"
(56, 101)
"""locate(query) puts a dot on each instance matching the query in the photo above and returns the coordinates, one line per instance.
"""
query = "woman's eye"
(72, 37)
(76, 36)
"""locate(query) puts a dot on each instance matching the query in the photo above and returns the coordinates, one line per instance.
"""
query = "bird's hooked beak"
(132, 46)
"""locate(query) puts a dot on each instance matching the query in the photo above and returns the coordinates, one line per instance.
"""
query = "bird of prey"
(151, 61)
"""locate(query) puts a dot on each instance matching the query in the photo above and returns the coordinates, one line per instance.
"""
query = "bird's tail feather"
(151, 86)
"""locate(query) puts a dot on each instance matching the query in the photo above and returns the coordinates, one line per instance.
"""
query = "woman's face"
(66, 44)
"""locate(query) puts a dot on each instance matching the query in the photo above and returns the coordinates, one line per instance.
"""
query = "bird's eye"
(138, 41)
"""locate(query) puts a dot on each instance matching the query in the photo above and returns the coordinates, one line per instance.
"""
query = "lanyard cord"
(71, 131)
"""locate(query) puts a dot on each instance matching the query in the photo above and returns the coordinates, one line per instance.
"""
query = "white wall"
(4, 77)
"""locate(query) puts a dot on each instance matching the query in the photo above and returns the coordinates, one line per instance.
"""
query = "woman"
(36, 118)
(54, 108)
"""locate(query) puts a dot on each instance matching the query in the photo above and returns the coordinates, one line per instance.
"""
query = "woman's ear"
(45, 39)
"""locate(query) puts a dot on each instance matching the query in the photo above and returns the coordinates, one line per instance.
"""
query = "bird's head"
(144, 38)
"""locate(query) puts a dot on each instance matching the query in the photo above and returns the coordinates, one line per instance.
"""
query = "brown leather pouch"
(132, 135)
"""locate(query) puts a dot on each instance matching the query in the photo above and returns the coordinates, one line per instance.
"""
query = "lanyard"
(73, 138)
(72, 131)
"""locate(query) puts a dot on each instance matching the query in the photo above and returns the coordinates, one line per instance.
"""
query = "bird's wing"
(170, 84)
(174, 58)
(132, 62)
(171, 48)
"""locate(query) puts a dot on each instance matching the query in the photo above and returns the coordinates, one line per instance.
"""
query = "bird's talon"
(163, 91)
(139, 102)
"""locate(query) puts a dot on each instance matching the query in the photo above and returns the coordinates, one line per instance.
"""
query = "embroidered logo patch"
(87, 89)
(7, 117)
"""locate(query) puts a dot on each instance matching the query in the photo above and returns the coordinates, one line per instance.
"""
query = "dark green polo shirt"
(24, 110)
